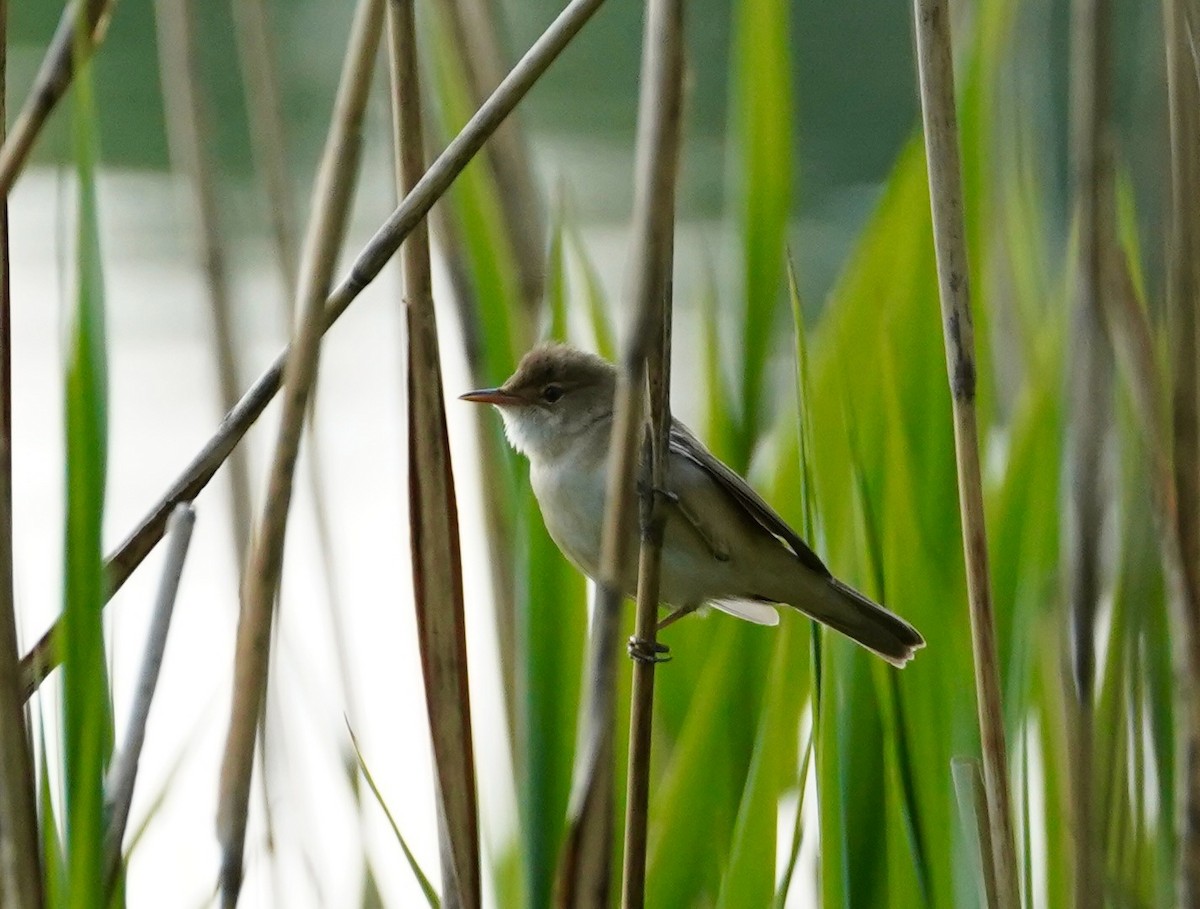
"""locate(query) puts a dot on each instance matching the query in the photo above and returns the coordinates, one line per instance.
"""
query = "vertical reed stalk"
(1183, 288)
(433, 508)
(1089, 393)
(122, 773)
(584, 868)
(20, 869)
(188, 137)
(53, 78)
(44, 656)
(256, 55)
(263, 103)
(332, 194)
(477, 35)
(936, 66)
(659, 129)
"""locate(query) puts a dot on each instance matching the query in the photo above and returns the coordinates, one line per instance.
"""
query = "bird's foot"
(646, 652)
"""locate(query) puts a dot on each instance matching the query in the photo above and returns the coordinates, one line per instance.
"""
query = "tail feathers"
(867, 623)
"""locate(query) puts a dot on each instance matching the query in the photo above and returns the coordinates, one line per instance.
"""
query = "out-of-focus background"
(345, 646)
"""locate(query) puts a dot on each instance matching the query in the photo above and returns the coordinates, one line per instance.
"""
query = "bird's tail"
(864, 621)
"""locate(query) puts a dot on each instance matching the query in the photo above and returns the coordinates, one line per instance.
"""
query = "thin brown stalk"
(653, 243)
(20, 866)
(585, 866)
(433, 508)
(51, 83)
(264, 105)
(44, 657)
(331, 203)
(1183, 290)
(123, 772)
(498, 519)
(1089, 391)
(476, 34)
(936, 66)
(583, 873)
(188, 138)
(972, 812)
(260, 76)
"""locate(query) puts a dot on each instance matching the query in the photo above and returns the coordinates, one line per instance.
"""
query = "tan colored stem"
(260, 584)
(51, 83)
(1089, 389)
(1183, 291)
(189, 137)
(659, 129)
(20, 851)
(476, 34)
(936, 65)
(433, 508)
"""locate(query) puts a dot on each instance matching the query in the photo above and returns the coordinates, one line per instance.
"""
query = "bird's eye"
(551, 393)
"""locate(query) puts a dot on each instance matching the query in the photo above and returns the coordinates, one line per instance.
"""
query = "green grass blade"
(552, 628)
(749, 878)
(695, 803)
(603, 335)
(87, 723)
(54, 864)
(431, 896)
(762, 133)
(556, 276)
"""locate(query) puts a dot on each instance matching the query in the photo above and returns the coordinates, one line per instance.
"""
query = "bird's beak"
(492, 396)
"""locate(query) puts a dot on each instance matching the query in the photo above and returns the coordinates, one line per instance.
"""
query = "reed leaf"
(87, 715)
(433, 507)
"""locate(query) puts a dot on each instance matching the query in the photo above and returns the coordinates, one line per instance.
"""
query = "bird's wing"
(687, 445)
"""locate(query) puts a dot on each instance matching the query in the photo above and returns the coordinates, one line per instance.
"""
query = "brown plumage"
(723, 544)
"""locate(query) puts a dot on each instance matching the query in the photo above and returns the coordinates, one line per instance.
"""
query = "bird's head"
(557, 395)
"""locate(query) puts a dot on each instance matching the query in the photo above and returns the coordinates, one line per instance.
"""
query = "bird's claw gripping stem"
(645, 652)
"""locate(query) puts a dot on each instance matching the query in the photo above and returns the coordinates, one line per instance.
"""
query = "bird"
(723, 545)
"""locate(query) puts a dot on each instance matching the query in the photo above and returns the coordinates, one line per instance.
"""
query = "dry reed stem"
(972, 808)
(498, 520)
(584, 867)
(1089, 392)
(44, 657)
(260, 77)
(123, 772)
(936, 67)
(1183, 289)
(331, 202)
(653, 243)
(188, 137)
(476, 34)
(20, 866)
(433, 508)
(51, 83)
(264, 106)
(583, 871)
(499, 515)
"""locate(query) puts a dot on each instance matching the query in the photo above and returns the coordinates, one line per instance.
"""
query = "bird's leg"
(676, 615)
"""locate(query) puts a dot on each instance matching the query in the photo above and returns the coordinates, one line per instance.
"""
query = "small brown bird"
(723, 544)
